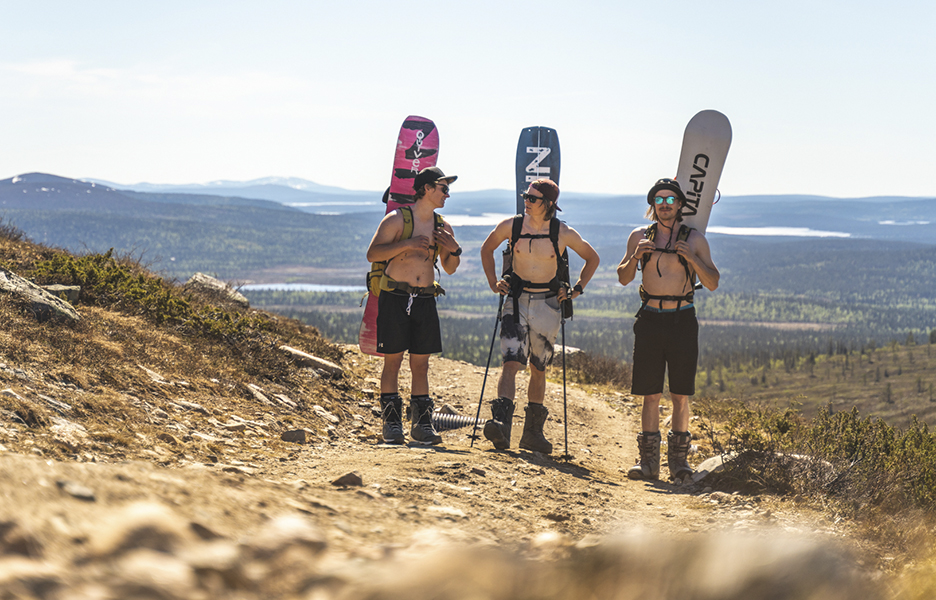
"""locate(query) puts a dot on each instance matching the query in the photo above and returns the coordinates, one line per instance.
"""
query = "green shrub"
(123, 285)
(582, 367)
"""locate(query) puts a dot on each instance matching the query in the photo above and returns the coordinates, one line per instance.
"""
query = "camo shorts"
(532, 335)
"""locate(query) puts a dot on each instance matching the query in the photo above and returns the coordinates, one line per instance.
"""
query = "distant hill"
(809, 216)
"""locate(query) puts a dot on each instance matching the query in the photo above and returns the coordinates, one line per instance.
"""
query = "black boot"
(533, 438)
(648, 444)
(498, 428)
(422, 430)
(677, 452)
(391, 410)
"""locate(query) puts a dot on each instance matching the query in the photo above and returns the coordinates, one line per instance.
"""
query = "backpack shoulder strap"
(516, 228)
(407, 213)
(684, 232)
(650, 234)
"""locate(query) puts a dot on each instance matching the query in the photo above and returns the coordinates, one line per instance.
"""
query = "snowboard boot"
(391, 410)
(533, 438)
(648, 467)
(676, 453)
(497, 430)
(422, 430)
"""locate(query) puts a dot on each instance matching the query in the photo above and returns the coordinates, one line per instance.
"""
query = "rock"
(478, 471)
(203, 532)
(557, 517)
(70, 292)
(60, 407)
(286, 401)
(168, 438)
(156, 377)
(447, 512)
(194, 406)
(15, 540)
(320, 411)
(145, 573)
(69, 433)
(218, 561)
(550, 545)
(307, 360)
(238, 427)
(298, 436)
(44, 306)
(26, 578)
(349, 479)
(286, 532)
(76, 490)
(140, 525)
(709, 466)
(258, 394)
(217, 291)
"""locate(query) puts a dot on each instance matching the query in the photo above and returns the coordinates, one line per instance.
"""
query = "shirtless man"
(666, 332)
(532, 319)
(407, 318)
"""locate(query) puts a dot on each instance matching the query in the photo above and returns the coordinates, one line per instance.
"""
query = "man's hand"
(445, 239)
(420, 242)
(567, 293)
(682, 249)
(644, 247)
(501, 287)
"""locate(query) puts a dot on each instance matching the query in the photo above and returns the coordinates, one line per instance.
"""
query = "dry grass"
(123, 371)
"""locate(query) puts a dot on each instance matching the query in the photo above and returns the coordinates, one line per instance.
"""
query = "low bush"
(582, 367)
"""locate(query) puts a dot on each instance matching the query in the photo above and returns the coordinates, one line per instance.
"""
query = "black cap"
(666, 184)
(431, 175)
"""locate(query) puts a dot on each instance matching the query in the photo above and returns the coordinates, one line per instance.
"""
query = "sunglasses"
(660, 200)
(531, 198)
(443, 187)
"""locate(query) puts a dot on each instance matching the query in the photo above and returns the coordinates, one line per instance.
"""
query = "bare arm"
(697, 253)
(637, 247)
(492, 243)
(386, 242)
(445, 238)
(573, 240)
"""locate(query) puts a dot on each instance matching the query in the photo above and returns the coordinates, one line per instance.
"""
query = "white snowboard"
(704, 150)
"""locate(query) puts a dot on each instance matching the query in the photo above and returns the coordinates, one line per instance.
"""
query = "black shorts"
(661, 340)
(407, 322)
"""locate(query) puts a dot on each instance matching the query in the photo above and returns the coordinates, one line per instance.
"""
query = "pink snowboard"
(417, 148)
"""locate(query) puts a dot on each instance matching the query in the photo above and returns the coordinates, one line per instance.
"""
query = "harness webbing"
(645, 297)
(518, 285)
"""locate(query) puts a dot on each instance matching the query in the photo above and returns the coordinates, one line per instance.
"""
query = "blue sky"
(831, 98)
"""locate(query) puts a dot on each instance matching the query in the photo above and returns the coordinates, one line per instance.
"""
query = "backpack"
(377, 271)
(684, 232)
(562, 264)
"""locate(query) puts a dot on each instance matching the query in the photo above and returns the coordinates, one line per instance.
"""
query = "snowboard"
(417, 148)
(701, 160)
(537, 158)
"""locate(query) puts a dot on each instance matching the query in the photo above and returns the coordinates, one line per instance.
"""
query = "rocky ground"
(210, 502)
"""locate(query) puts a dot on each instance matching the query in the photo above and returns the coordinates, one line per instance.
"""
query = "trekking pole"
(565, 409)
(474, 430)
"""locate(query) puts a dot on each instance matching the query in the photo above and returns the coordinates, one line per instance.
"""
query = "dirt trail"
(73, 525)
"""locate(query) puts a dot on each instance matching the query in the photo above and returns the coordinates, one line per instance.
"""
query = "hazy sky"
(833, 98)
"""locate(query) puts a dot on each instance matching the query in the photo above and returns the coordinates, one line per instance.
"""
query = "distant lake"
(777, 231)
(486, 219)
(300, 287)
